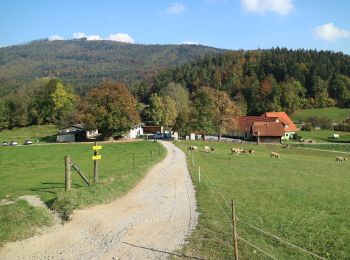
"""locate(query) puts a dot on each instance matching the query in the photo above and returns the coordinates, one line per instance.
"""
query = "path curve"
(149, 222)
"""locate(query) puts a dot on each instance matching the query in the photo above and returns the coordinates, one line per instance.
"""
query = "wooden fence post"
(95, 166)
(152, 154)
(133, 160)
(67, 175)
(199, 174)
(234, 231)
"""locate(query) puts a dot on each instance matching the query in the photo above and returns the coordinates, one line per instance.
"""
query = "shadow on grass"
(48, 139)
(161, 251)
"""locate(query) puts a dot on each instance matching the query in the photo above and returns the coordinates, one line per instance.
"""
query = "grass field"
(39, 170)
(43, 133)
(301, 197)
(325, 136)
(337, 115)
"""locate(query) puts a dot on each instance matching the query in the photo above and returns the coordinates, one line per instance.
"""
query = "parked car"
(27, 142)
(5, 143)
(158, 136)
(13, 143)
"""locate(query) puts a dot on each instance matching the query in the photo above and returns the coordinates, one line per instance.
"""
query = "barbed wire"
(249, 243)
(280, 239)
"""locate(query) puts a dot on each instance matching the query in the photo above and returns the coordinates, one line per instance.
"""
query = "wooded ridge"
(84, 64)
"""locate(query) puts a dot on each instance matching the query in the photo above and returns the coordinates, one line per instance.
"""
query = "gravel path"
(150, 222)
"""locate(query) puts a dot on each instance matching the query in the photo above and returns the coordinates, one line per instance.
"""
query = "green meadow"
(325, 136)
(301, 197)
(337, 115)
(36, 133)
(39, 170)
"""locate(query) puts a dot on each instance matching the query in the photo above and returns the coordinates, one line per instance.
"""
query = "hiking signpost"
(96, 157)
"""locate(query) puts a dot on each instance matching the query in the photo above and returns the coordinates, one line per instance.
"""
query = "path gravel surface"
(150, 222)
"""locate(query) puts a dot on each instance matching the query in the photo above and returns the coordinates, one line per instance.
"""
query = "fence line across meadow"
(218, 196)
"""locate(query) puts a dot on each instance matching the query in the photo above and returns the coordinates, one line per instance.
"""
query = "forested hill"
(84, 64)
(269, 80)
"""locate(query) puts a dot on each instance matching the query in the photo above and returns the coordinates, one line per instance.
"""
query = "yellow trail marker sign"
(96, 157)
(97, 147)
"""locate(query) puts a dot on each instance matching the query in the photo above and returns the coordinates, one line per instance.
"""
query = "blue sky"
(230, 24)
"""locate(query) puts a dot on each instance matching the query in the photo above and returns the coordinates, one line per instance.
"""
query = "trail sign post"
(96, 157)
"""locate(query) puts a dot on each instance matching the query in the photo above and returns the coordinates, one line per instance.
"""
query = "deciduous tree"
(110, 108)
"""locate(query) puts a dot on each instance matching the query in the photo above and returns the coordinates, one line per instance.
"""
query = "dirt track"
(150, 222)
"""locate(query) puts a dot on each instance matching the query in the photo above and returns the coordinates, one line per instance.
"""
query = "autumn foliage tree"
(224, 110)
(110, 108)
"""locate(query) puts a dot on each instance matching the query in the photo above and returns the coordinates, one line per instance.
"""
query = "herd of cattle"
(238, 151)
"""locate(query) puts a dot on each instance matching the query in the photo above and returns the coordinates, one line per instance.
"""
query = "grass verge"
(21, 220)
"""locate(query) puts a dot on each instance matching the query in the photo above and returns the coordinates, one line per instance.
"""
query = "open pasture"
(302, 197)
(39, 170)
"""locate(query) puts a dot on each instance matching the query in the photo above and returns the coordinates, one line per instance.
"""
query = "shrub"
(307, 127)
(64, 206)
(323, 123)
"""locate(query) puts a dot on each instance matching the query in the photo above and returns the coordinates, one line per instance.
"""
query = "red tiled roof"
(268, 129)
(245, 122)
(289, 126)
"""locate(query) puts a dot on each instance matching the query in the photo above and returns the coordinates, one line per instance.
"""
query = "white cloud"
(79, 35)
(190, 43)
(120, 37)
(94, 37)
(281, 7)
(328, 32)
(176, 8)
(56, 38)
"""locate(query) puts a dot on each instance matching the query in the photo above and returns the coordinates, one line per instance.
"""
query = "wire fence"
(224, 205)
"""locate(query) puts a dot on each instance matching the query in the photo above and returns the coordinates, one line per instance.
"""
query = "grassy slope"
(300, 197)
(43, 133)
(337, 115)
(39, 169)
(325, 136)
(21, 220)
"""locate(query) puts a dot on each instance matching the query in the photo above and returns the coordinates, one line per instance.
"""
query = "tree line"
(202, 96)
(113, 109)
(265, 80)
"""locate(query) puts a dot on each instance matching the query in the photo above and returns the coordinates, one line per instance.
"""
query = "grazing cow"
(274, 154)
(236, 151)
(212, 148)
(206, 149)
(193, 148)
(251, 151)
(340, 158)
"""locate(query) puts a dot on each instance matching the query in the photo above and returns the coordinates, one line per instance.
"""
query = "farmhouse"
(243, 125)
(267, 132)
(289, 127)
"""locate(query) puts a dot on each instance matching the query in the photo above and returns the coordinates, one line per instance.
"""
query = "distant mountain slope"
(84, 64)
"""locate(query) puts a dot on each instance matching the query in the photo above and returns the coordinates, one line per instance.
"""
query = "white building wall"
(135, 132)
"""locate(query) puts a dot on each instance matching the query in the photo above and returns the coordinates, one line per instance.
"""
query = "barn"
(268, 132)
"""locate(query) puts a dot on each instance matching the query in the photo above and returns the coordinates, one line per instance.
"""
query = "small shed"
(268, 132)
(71, 134)
(152, 129)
